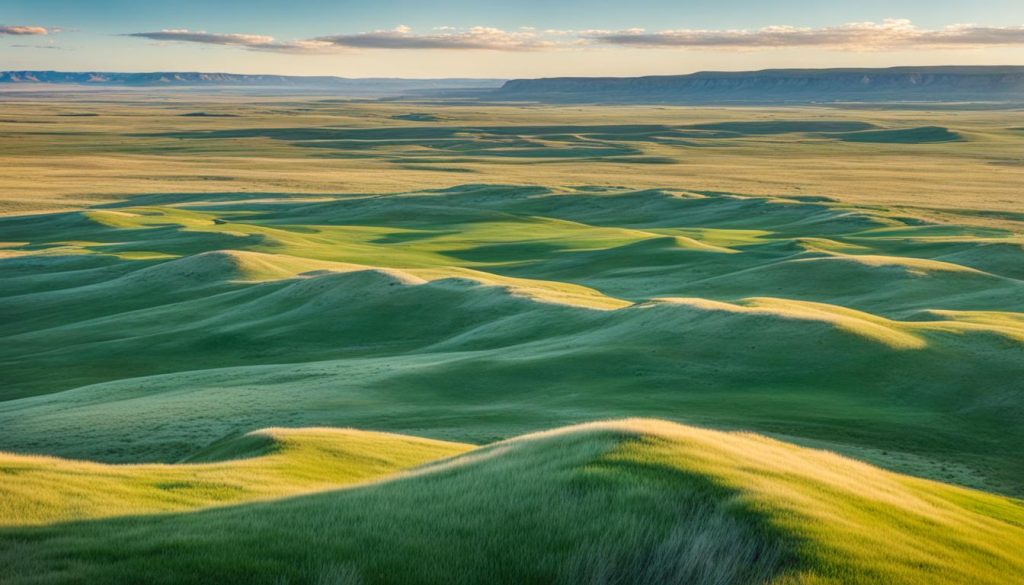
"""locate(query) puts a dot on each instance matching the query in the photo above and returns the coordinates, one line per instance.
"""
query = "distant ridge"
(771, 86)
(930, 84)
(197, 79)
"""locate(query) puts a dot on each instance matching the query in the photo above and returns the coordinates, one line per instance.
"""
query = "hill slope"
(258, 465)
(635, 501)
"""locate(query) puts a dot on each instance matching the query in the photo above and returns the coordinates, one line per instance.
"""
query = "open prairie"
(801, 330)
(67, 149)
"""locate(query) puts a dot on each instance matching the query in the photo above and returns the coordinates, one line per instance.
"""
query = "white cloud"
(476, 38)
(248, 41)
(19, 30)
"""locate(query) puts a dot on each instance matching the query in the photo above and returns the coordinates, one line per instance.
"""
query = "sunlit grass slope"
(634, 501)
(258, 465)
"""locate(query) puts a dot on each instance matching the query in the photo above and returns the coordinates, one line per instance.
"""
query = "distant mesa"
(911, 84)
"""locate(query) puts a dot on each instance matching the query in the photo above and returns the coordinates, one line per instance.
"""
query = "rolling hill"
(814, 317)
(632, 501)
(258, 465)
(145, 331)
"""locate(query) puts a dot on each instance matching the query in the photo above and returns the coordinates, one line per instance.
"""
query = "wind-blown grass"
(634, 501)
(259, 465)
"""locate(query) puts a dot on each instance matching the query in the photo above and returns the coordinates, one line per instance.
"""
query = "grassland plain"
(73, 148)
(206, 267)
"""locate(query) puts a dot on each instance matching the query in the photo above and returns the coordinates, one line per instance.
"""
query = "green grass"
(635, 501)
(260, 465)
(408, 312)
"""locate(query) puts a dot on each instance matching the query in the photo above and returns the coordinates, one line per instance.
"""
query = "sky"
(518, 38)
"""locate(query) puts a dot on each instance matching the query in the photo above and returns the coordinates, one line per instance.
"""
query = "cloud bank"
(476, 38)
(893, 34)
(248, 41)
(858, 36)
(16, 30)
(402, 37)
(205, 37)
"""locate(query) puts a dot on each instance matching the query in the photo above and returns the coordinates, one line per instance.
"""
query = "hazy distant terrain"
(913, 84)
(185, 79)
(775, 86)
(801, 332)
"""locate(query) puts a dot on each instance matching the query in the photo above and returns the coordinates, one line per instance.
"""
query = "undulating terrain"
(259, 340)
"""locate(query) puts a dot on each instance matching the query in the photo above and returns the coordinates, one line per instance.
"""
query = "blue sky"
(520, 38)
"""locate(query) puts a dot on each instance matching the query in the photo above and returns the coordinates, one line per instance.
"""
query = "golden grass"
(277, 462)
(858, 323)
(104, 158)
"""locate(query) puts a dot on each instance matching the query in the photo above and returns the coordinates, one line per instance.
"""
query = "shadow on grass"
(583, 508)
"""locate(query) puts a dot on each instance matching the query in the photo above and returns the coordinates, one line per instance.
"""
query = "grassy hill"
(634, 501)
(259, 465)
(145, 331)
